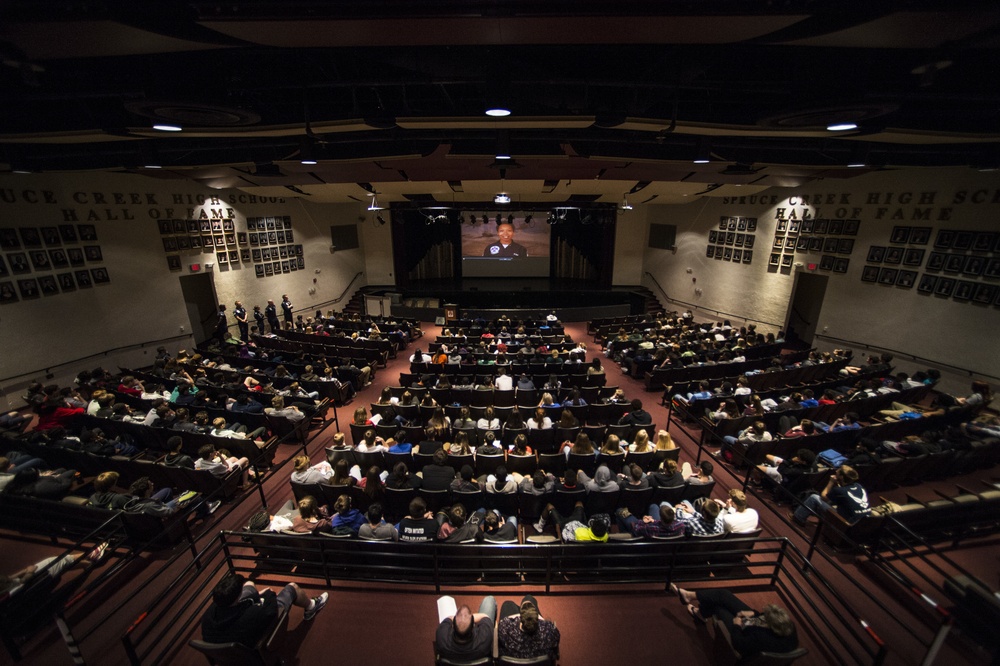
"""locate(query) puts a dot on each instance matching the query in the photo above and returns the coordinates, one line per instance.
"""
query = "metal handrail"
(717, 313)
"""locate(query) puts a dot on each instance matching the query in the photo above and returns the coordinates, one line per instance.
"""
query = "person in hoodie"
(346, 516)
(603, 481)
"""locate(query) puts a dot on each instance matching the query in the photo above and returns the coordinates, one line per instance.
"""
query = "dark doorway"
(199, 298)
(806, 305)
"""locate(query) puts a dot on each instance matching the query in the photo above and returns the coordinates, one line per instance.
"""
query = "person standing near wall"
(286, 308)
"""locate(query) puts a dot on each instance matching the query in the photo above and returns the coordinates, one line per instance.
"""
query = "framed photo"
(272, 237)
(737, 256)
(283, 252)
(984, 242)
(245, 255)
(840, 265)
(920, 235)
(100, 275)
(954, 263)
(28, 288)
(876, 253)
(7, 293)
(790, 242)
(298, 250)
(252, 237)
(258, 270)
(992, 269)
(836, 227)
(728, 255)
(782, 226)
(779, 242)
(230, 239)
(180, 226)
(821, 226)
(751, 225)
(748, 241)
(733, 223)
(234, 256)
(928, 283)
(9, 241)
(47, 285)
(281, 236)
(712, 236)
(747, 257)
(964, 290)
(803, 244)
(830, 245)
(944, 239)
(174, 262)
(851, 227)
(914, 256)
(300, 263)
(893, 255)
(869, 274)
(294, 267)
(816, 244)
(974, 266)
(255, 254)
(845, 246)
(83, 280)
(40, 260)
(170, 244)
(183, 243)
(222, 257)
(945, 286)
(251, 223)
(268, 269)
(75, 255)
(205, 226)
(985, 294)
(730, 237)
(887, 276)
(807, 226)
(793, 226)
(88, 232)
(786, 260)
(277, 264)
(51, 236)
(900, 235)
(266, 253)
(207, 241)
(220, 240)
(826, 262)
(741, 224)
(270, 223)
(66, 282)
(935, 261)
(58, 258)
(192, 226)
(194, 242)
(227, 225)
(216, 225)
(18, 263)
(165, 227)
(723, 223)
(775, 259)
(30, 237)
(963, 240)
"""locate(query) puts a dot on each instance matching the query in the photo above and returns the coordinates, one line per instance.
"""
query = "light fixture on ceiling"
(703, 153)
(374, 204)
(148, 157)
(307, 149)
(625, 204)
(167, 127)
(859, 156)
(498, 112)
(503, 145)
(842, 127)
(380, 219)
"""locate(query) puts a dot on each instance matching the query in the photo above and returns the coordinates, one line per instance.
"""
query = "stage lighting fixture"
(499, 219)
(486, 219)
(510, 219)
(381, 220)
(306, 151)
(625, 204)
(374, 204)
(527, 220)
(502, 198)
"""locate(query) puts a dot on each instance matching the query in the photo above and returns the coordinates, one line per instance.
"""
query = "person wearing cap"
(468, 635)
(523, 633)
(736, 517)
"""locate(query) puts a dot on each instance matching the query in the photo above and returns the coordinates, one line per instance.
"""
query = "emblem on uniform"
(494, 249)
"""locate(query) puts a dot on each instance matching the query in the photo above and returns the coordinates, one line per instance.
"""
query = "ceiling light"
(842, 127)
(501, 198)
(498, 112)
(374, 204)
(306, 151)
(625, 204)
(164, 127)
(703, 153)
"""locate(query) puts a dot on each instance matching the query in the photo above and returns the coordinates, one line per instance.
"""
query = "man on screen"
(505, 246)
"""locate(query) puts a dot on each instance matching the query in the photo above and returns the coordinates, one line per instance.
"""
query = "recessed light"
(856, 165)
(310, 162)
(503, 157)
(498, 112)
(167, 128)
(702, 161)
(842, 127)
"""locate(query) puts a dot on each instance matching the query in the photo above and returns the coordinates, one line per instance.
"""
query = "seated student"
(843, 493)
(489, 447)
(636, 416)
(375, 527)
(438, 475)
(51, 567)
(980, 396)
(50, 484)
(496, 528)
(419, 525)
(346, 515)
(633, 478)
(312, 517)
(539, 421)
(499, 483)
(733, 448)
(539, 483)
(401, 479)
(703, 521)
(104, 496)
(245, 405)
(703, 475)
(344, 474)
(661, 521)
(237, 431)
(750, 632)
(218, 465)
(737, 518)
(465, 481)
(523, 633)
(371, 443)
(456, 525)
(240, 614)
(572, 527)
(278, 408)
(304, 473)
(781, 472)
(468, 636)
(667, 476)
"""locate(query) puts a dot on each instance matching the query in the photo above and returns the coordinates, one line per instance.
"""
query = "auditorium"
(500, 233)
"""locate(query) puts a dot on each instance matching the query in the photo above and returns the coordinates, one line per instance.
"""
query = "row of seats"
(757, 358)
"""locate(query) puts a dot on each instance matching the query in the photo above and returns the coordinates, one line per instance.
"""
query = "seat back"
(582, 462)
(229, 654)
(523, 465)
(397, 503)
(553, 463)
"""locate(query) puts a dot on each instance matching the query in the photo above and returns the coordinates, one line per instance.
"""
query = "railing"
(897, 354)
(162, 629)
(715, 313)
